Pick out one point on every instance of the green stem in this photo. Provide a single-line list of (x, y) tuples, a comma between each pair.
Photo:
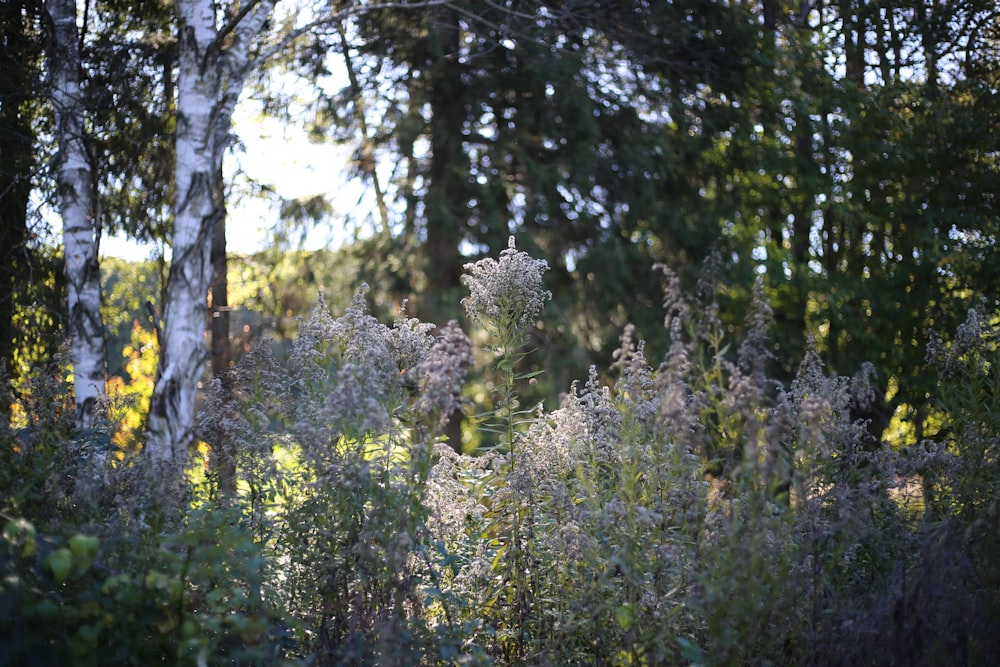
[(510, 342)]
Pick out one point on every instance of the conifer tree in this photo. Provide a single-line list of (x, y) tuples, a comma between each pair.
[(21, 47)]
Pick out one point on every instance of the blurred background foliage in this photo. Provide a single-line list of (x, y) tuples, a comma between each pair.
[(844, 153), (841, 154)]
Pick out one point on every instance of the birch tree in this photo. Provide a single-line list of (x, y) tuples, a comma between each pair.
[(76, 190), (214, 61)]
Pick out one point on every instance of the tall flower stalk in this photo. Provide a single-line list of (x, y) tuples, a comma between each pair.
[(505, 297)]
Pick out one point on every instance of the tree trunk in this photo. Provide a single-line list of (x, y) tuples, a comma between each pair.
[(223, 454), (77, 203), (212, 68), (219, 325), (854, 41), (446, 209)]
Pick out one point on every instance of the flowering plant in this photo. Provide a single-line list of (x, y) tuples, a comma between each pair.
[(506, 295)]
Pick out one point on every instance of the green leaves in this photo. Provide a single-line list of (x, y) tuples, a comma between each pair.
[(625, 616), (84, 550), (61, 562), (20, 533)]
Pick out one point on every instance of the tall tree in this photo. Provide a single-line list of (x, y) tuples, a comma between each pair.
[(865, 188), (448, 193), (213, 63), (580, 126), (95, 79), (76, 188), (218, 47), (20, 55)]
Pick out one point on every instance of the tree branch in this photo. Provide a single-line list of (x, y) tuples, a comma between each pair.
[(368, 145), (233, 23), (334, 19)]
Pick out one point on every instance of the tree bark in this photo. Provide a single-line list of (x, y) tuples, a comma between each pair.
[(223, 454), (213, 65), (219, 325), (75, 182)]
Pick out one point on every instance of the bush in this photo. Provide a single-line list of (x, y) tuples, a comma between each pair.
[(191, 598)]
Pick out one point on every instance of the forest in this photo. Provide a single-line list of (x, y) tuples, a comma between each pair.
[(664, 332)]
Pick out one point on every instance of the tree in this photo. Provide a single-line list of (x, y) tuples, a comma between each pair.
[(218, 48), (581, 127), (103, 87), (213, 63), (862, 188), (77, 196), (95, 81), (21, 47)]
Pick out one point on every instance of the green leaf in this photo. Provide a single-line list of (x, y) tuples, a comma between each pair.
[(84, 546), (59, 563), (89, 633), (500, 552), (112, 583), (625, 615), (21, 532), (691, 652), (47, 609)]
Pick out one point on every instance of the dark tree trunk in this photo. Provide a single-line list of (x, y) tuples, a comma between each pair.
[(219, 326), (224, 454), (18, 76), (445, 207)]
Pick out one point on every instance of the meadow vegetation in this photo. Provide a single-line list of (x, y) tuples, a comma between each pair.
[(689, 510)]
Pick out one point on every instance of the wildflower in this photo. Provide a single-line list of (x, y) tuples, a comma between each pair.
[(347, 373), (307, 360), (754, 352), (508, 291), (675, 305), (449, 501), (709, 322), (964, 349), (440, 374), (409, 340), (636, 385), (602, 418)]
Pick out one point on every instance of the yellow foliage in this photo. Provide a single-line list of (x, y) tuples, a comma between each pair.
[(130, 398)]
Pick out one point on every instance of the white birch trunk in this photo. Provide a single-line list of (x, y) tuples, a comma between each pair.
[(77, 205), (213, 65)]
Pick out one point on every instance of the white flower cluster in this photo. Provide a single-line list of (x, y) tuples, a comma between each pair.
[(508, 290), (962, 352), (351, 375), (441, 373), (602, 418)]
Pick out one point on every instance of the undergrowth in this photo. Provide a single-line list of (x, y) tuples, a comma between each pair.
[(689, 510)]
